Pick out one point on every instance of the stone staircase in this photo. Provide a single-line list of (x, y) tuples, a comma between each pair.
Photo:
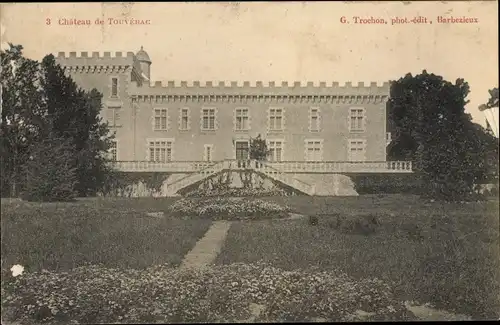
[(287, 179), (193, 178), (256, 166)]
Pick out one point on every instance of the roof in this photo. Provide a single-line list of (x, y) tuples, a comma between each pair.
[(142, 55)]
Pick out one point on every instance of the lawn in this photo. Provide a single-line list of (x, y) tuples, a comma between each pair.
[(112, 232), (445, 254)]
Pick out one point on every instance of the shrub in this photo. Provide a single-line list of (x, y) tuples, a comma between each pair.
[(359, 224), (387, 184), (123, 183), (94, 294)]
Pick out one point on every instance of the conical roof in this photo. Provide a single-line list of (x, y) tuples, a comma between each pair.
[(142, 55)]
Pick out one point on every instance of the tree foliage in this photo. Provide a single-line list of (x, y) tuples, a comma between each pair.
[(39, 102), (430, 127), (22, 115), (258, 148), (75, 115), (493, 100), (50, 171)]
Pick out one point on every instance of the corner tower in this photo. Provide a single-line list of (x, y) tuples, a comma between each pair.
[(145, 63)]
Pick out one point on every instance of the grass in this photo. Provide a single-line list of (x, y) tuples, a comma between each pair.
[(445, 254), (112, 232)]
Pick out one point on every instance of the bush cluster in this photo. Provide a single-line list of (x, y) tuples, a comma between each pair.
[(353, 224), (387, 184)]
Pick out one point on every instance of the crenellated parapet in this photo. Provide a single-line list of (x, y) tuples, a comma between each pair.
[(296, 92), (96, 62)]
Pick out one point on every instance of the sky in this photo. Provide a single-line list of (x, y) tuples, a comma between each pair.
[(284, 41)]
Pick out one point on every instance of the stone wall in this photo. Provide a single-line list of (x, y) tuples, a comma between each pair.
[(137, 101)]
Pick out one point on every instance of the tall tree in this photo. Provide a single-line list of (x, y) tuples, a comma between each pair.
[(74, 114), (40, 102), (431, 128), (22, 116)]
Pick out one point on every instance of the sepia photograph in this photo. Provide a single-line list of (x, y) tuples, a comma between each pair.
[(218, 162)]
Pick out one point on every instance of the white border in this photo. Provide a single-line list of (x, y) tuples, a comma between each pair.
[(216, 122), (110, 85), (153, 113), (249, 119), (349, 147), (282, 147), (363, 121), (318, 120), (283, 119), (321, 141), (188, 116), (148, 140), (205, 146)]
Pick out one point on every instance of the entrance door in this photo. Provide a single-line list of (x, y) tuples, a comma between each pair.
[(242, 150)]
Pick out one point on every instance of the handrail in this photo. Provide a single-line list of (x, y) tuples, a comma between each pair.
[(166, 162), (284, 161), (274, 168), (169, 165), (282, 166), (198, 172), (281, 173)]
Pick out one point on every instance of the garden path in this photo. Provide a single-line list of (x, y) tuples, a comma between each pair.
[(427, 313), (208, 247)]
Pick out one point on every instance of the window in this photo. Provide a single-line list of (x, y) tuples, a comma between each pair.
[(356, 119), (242, 122), (208, 152), (114, 87), (314, 150), (356, 150), (275, 119), (275, 150), (160, 119), (184, 123), (314, 119), (160, 151), (113, 151), (114, 116), (242, 150), (208, 119)]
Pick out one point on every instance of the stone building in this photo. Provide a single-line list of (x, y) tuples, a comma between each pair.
[(187, 128)]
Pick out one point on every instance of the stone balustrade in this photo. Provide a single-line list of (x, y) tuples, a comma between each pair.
[(282, 167), (283, 177), (343, 166), (152, 166)]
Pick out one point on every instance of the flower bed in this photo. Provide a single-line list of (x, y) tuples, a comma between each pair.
[(228, 209), (94, 294), (238, 192)]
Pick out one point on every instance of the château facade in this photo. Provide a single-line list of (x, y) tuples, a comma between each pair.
[(155, 124)]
